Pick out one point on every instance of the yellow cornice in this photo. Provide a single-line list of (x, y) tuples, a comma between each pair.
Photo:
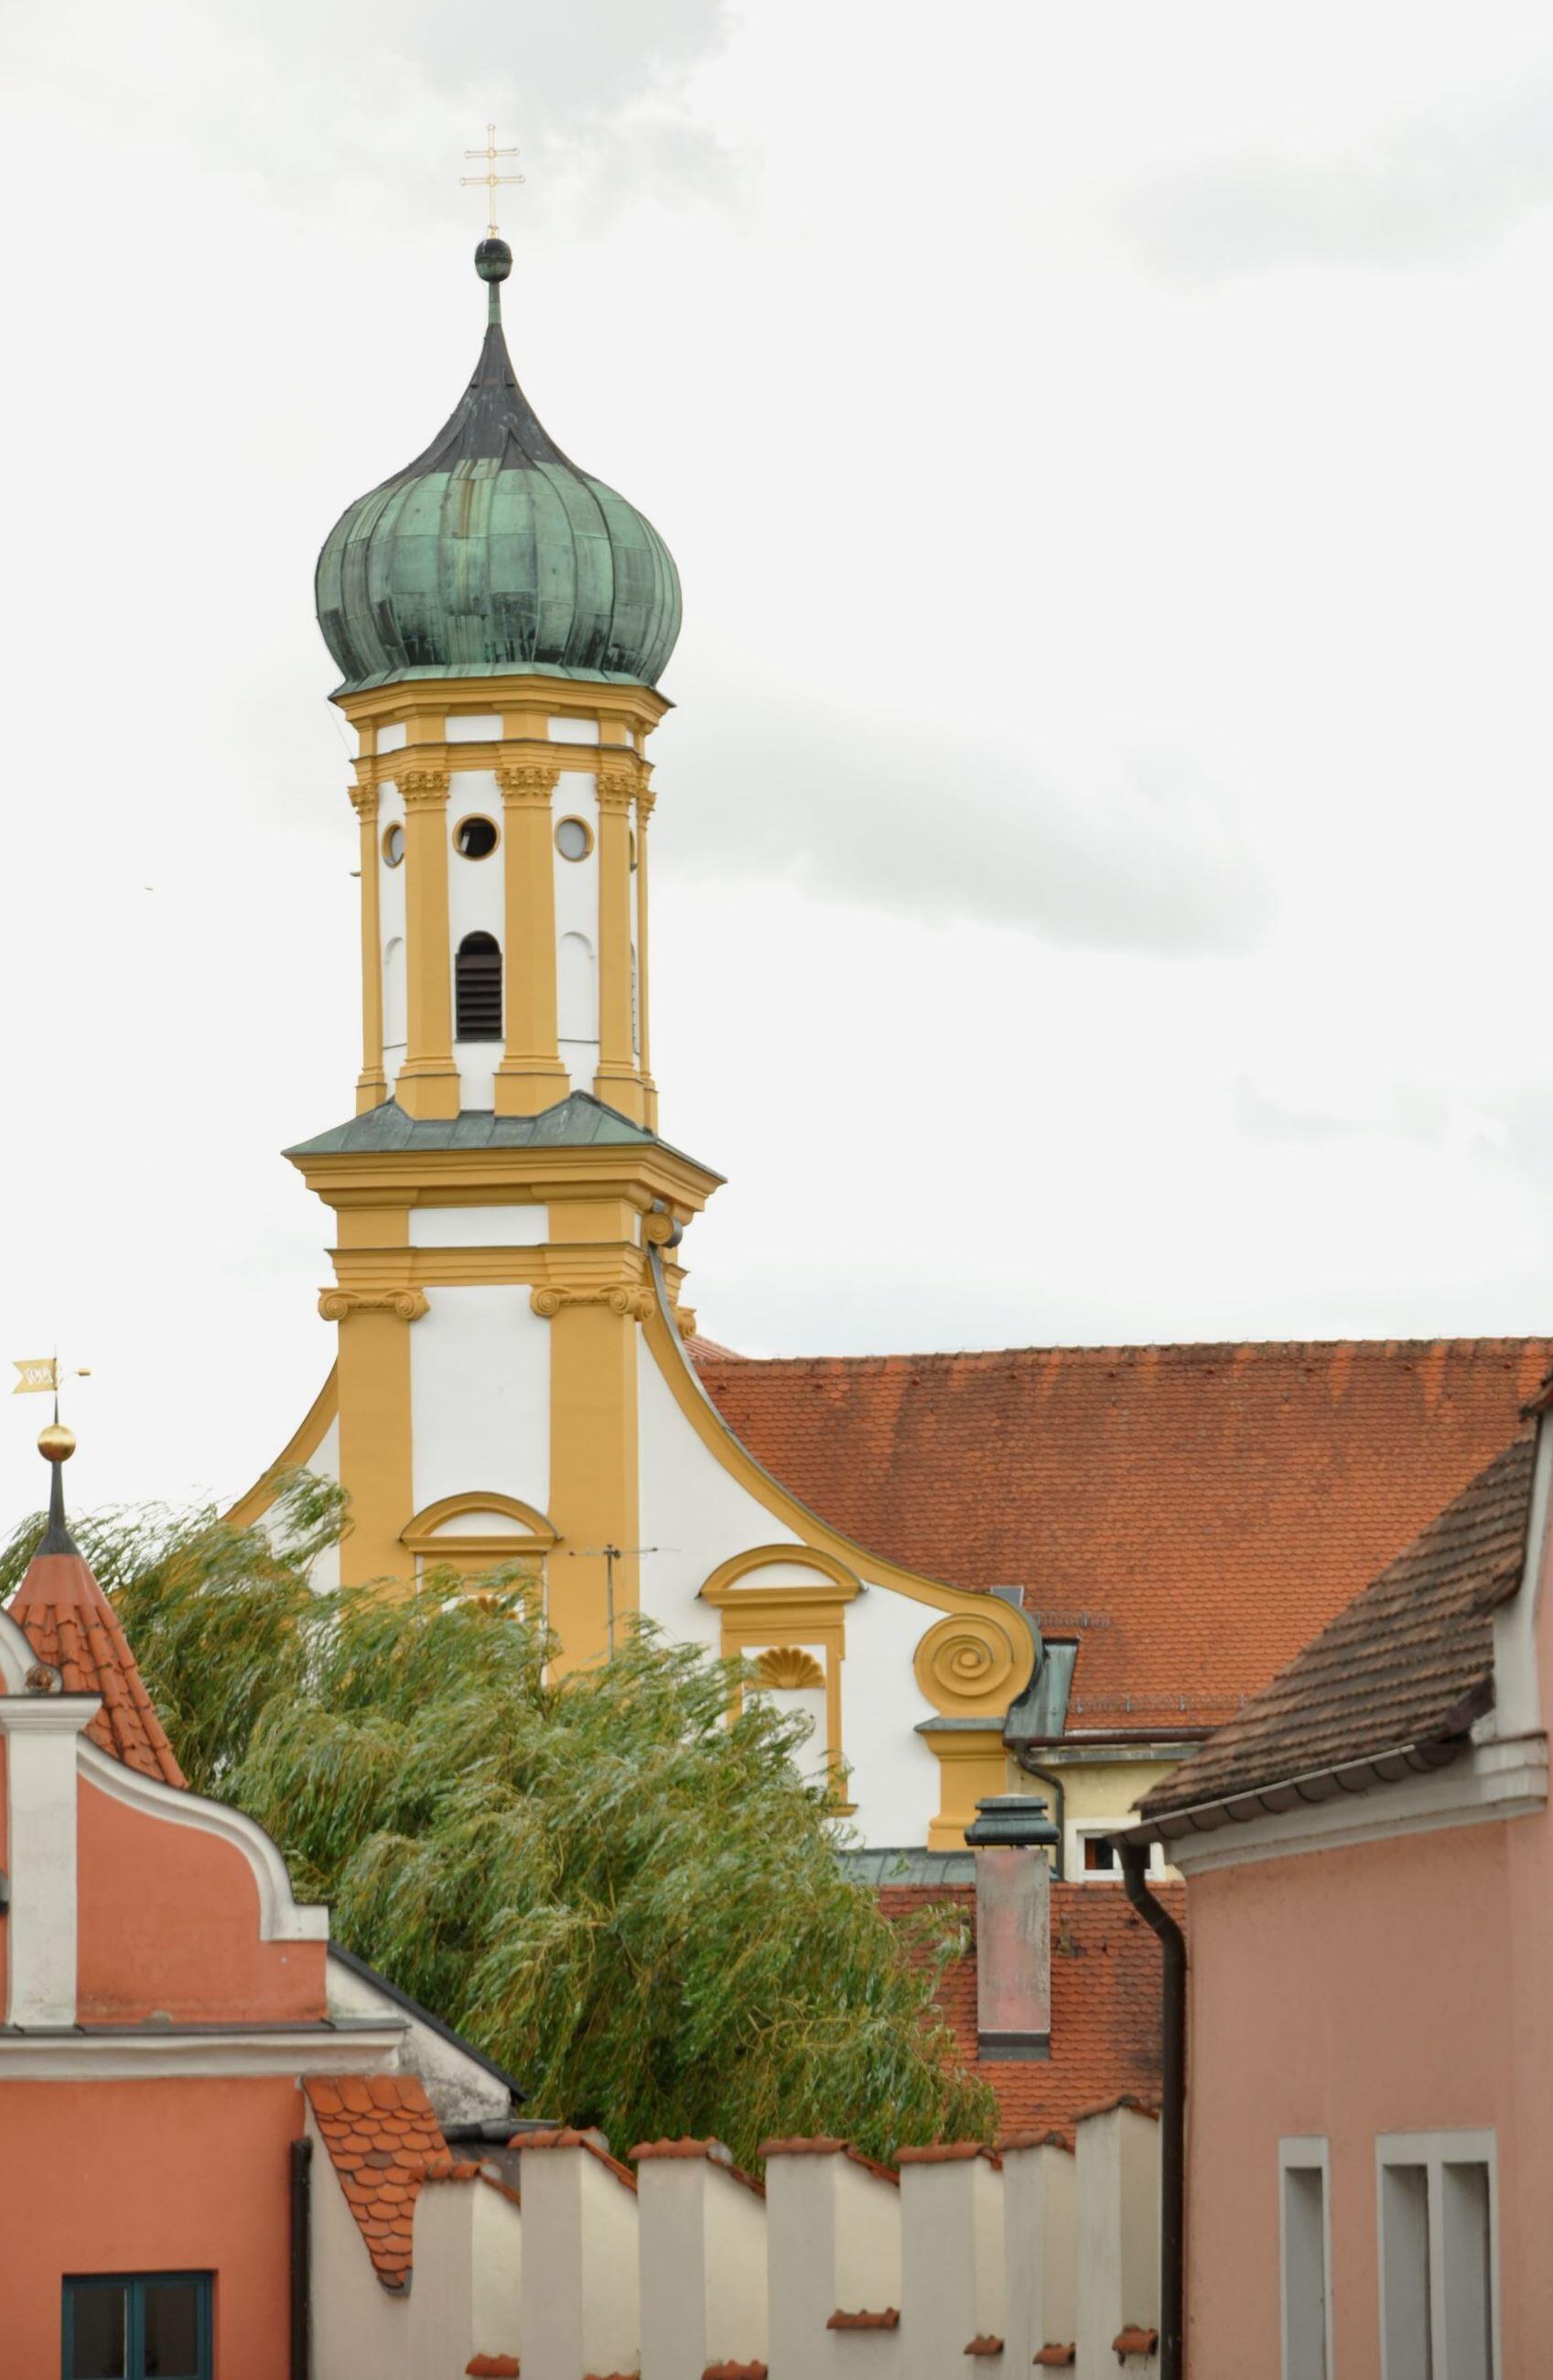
[(429, 1533), (842, 1584), (407, 699), (639, 1172)]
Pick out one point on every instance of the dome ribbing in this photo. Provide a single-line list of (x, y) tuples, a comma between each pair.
[(492, 554)]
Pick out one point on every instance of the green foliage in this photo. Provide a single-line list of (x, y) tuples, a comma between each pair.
[(627, 1898)]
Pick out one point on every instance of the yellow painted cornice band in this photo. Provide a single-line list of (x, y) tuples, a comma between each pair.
[(639, 1172), (416, 699)]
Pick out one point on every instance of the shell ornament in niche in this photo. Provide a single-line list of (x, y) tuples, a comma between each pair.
[(787, 1668)]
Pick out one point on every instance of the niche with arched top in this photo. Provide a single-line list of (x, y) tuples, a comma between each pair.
[(476, 986), (578, 989), (395, 1006)]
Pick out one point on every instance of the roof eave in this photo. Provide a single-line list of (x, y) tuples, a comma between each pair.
[(1419, 1758)]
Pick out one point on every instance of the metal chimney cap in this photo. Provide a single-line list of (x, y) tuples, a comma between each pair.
[(1013, 1822)]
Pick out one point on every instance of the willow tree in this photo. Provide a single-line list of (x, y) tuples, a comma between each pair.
[(622, 1892)]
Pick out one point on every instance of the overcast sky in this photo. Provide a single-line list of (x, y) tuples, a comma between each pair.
[(1103, 853)]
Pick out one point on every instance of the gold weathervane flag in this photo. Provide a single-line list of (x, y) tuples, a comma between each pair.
[(38, 1375)]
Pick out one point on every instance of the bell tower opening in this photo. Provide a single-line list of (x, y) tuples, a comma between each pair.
[(477, 989)]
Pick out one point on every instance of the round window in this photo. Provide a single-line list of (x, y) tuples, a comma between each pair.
[(475, 838), (393, 845), (573, 838)]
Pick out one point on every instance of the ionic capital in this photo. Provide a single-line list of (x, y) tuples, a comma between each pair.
[(424, 789), (339, 1305), (547, 1302)]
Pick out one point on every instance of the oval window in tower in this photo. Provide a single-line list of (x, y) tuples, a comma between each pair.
[(393, 845), (573, 838), (475, 838)]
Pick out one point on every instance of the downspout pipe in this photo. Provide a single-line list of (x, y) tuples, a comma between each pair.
[(1024, 1761), (302, 2261), (1172, 2108)]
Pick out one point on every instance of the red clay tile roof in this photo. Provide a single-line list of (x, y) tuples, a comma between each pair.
[(493, 2367), (820, 2145), (1192, 1513), (71, 1625), (381, 2138), (1105, 2005), (984, 2345), (1053, 2354), (1134, 2340), (887, 2318), (1409, 1661), (734, 2371)]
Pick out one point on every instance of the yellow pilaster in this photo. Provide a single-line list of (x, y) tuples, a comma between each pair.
[(530, 1076), (972, 1765), (372, 1085), (428, 1081), (617, 1081), (650, 1089), (593, 1297), (375, 1457)]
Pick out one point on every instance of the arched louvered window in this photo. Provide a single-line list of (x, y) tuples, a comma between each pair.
[(476, 978)]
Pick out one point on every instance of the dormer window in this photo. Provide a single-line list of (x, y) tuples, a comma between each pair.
[(477, 989)]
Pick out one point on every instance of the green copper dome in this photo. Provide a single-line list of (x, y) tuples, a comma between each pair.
[(492, 554)]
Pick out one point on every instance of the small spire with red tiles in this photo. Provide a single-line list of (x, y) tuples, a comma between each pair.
[(74, 1629)]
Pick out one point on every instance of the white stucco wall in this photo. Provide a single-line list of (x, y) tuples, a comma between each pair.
[(391, 926), (691, 1509), (391, 739), (572, 730), (577, 912), (479, 1227), (699, 1516), (480, 1396), (473, 727), (894, 1775)]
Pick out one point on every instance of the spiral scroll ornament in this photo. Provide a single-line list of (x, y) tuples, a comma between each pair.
[(967, 1664)]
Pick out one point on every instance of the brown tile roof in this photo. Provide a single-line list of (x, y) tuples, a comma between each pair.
[(1105, 2006), (73, 1628), (493, 2367), (887, 2318), (1409, 1661), (383, 2140), (1192, 1513)]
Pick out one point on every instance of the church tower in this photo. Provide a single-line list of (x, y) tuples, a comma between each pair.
[(511, 1383), (500, 619)]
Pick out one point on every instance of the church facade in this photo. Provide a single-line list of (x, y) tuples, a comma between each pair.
[(968, 1572)]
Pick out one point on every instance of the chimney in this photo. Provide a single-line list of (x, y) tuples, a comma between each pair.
[(1010, 1836)]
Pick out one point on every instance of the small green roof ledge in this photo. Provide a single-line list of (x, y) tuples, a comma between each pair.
[(492, 554)]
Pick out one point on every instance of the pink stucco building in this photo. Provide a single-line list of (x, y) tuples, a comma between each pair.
[(1369, 1865)]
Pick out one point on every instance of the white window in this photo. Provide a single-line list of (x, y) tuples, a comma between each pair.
[(1438, 2218), (1306, 2255), (1092, 1858)]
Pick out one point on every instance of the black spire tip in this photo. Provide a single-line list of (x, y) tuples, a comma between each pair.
[(493, 259), (56, 1538)]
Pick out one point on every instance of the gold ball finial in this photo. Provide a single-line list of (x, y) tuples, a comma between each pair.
[(56, 1443)]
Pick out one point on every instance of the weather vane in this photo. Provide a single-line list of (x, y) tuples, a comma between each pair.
[(491, 180)]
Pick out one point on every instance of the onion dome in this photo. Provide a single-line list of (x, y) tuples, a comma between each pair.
[(492, 554), (79, 1646)]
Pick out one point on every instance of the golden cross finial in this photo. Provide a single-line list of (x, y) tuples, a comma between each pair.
[(490, 181)]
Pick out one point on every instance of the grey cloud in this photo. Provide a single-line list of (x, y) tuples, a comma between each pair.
[(946, 828), (1418, 193)]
